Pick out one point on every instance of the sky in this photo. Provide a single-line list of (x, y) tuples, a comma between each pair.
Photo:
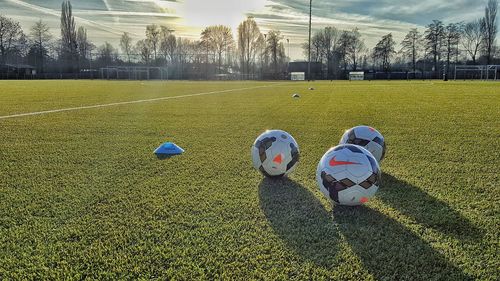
[(106, 20)]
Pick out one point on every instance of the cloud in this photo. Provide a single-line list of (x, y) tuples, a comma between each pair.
[(292, 18), (373, 18), (107, 19), (56, 13)]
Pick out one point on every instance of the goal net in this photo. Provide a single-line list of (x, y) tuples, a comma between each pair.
[(298, 76), (481, 72)]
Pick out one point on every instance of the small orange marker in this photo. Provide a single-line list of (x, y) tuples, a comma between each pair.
[(363, 200), (278, 159)]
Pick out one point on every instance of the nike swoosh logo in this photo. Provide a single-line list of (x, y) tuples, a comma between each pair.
[(334, 163)]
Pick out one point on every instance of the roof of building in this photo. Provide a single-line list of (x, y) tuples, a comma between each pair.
[(18, 65)]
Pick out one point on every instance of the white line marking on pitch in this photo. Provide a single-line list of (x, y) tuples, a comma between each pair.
[(131, 102)]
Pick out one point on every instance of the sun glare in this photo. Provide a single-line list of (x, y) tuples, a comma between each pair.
[(214, 12)]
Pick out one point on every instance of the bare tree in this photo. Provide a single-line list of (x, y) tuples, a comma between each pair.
[(145, 50), (182, 50), (197, 55), (106, 53), (490, 29), (411, 45), (452, 38), (68, 34), (364, 60), (317, 50), (250, 43), (274, 47), (84, 44), (355, 48), (126, 45), (324, 45), (331, 42), (434, 41), (168, 43), (472, 38), (343, 49), (11, 38), (153, 38), (40, 40), (185, 53), (261, 52), (384, 51), (219, 39)]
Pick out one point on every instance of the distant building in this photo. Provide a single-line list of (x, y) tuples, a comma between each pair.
[(301, 66), (17, 71)]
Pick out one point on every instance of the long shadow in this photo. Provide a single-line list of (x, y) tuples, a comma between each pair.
[(386, 248), (389, 251), (300, 220), (425, 209)]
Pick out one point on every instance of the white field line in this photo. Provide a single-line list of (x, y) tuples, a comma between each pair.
[(131, 102)]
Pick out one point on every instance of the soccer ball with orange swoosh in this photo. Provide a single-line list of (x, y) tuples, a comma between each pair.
[(348, 175)]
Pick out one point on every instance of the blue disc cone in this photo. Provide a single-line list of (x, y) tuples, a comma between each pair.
[(167, 150)]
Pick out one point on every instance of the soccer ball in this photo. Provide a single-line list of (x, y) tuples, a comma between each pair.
[(368, 138), (348, 175), (275, 153)]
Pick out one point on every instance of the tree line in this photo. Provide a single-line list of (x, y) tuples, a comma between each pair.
[(439, 44), (253, 54)]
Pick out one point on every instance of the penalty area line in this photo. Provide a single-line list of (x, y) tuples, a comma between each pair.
[(132, 102)]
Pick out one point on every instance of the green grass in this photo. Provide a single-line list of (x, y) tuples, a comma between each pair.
[(82, 195)]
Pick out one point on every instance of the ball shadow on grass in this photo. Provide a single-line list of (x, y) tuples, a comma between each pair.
[(386, 248), (425, 209), (300, 220), (389, 251)]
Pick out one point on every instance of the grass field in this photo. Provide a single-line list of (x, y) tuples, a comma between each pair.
[(83, 196)]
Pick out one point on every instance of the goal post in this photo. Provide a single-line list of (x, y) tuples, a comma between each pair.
[(298, 76), (134, 73), (481, 72), (356, 76)]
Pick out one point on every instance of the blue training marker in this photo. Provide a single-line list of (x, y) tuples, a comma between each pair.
[(167, 150)]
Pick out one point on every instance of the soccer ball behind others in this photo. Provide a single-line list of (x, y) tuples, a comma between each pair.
[(367, 137)]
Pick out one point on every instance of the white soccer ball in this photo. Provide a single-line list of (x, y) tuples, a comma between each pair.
[(275, 153), (367, 137), (348, 175)]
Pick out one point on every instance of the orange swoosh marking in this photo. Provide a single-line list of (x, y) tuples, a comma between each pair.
[(334, 163)]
